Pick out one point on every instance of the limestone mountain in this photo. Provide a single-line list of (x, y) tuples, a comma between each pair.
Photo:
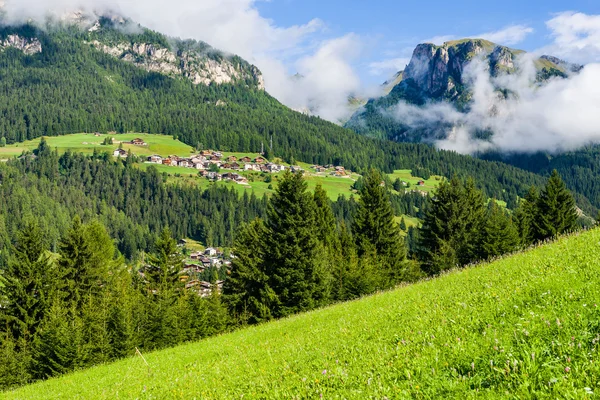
[(439, 74), (125, 40)]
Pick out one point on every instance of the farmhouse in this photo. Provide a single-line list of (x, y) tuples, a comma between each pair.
[(155, 159), (210, 252), (138, 142), (421, 183), (260, 160), (232, 159), (245, 159), (185, 163), (120, 153)]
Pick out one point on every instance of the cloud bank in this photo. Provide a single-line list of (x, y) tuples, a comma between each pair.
[(236, 26), (560, 115), (557, 116)]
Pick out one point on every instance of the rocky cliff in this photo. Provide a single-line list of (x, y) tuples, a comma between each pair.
[(28, 46), (151, 51), (438, 74), (197, 67)]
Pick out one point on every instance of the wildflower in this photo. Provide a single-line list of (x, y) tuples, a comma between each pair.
[(473, 366), (557, 322), (568, 359), (533, 356), (567, 369), (324, 372)]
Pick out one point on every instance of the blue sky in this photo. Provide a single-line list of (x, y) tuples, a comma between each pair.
[(392, 28)]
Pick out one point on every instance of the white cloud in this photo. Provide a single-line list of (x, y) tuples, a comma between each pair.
[(576, 37), (508, 36), (439, 40), (561, 115), (236, 26), (386, 67)]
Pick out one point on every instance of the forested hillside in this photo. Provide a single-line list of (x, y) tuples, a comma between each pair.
[(71, 87)]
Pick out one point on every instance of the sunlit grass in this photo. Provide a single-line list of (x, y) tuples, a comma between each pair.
[(526, 326)]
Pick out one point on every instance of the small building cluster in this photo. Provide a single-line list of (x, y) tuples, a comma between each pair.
[(205, 159), (333, 170), (198, 263)]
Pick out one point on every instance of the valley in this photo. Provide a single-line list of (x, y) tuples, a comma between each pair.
[(521, 326), (202, 239)]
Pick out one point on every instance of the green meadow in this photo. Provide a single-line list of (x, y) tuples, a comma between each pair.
[(164, 145), (86, 143), (406, 175), (525, 326)]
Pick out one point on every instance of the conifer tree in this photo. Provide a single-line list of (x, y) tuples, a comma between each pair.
[(451, 233), (403, 224), (76, 267), (294, 254), (556, 208), (375, 230), (165, 263), (325, 220), (247, 291), (500, 236), (525, 215), (27, 284)]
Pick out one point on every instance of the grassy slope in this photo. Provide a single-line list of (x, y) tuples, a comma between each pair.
[(165, 145), (86, 143), (522, 327)]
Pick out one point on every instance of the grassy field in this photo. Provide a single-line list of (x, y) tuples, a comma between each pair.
[(406, 175), (86, 143), (333, 185), (527, 326), (164, 145)]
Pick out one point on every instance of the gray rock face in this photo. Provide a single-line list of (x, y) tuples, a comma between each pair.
[(198, 68), (437, 69), (27, 46)]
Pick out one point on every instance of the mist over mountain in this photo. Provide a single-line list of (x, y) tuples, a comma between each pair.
[(473, 95)]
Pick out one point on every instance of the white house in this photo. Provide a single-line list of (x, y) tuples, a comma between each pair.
[(155, 159), (211, 252), (120, 153)]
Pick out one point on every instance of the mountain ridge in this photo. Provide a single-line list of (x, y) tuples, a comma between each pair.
[(438, 74)]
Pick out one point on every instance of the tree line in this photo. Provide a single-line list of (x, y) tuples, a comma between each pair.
[(76, 302), (83, 305)]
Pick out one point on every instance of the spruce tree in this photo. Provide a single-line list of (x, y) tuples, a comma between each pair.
[(294, 262), (76, 264), (27, 284), (500, 236), (375, 230), (451, 233), (525, 215), (557, 212), (247, 291), (165, 263), (325, 221)]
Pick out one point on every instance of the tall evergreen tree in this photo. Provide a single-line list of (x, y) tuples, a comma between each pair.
[(557, 212), (76, 267), (525, 215), (325, 221), (294, 254), (500, 236), (247, 291), (375, 230), (165, 263), (26, 286), (451, 233)]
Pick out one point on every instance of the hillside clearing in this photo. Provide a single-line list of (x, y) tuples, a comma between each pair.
[(86, 143), (522, 327)]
